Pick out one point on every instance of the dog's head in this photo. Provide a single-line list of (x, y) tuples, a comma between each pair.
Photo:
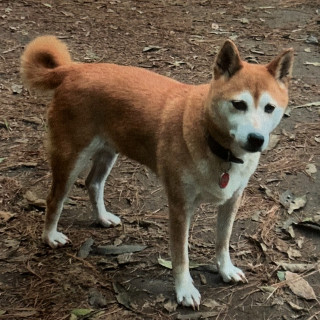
[(247, 101)]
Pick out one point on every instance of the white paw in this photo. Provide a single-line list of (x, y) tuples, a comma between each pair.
[(188, 295), (107, 219), (231, 273), (55, 239)]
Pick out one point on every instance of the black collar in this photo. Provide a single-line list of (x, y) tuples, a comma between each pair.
[(221, 152)]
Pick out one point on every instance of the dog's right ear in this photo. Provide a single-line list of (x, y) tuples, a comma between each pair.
[(227, 61)]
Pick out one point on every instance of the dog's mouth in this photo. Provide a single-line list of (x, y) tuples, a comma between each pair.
[(250, 148)]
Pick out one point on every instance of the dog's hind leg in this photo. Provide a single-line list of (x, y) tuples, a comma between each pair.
[(103, 162), (66, 166)]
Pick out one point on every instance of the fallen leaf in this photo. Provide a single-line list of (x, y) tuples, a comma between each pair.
[(16, 88), (198, 315), (316, 64), (165, 263), (274, 140), (110, 249), (286, 198), (297, 204), (281, 275), (306, 105), (311, 168), (214, 26), (300, 286), (203, 278), (34, 200), (97, 299), (257, 51), (296, 267), (256, 216), (170, 306), (85, 248), (122, 295), (294, 306), (124, 258), (81, 312), (211, 303), (281, 245), (307, 50), (268, 289), (151, 48), (6, 216), (312, 40), (293, 253), (244, 20)]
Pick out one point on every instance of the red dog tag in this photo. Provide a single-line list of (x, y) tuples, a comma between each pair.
[(224, 180)]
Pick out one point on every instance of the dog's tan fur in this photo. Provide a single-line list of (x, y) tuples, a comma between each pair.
[(100, 110)]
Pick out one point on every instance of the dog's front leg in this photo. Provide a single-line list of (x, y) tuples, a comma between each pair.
[(226, 216), (180, 217)]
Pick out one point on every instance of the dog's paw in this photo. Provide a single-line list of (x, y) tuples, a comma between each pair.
[(188, 295), (107, 219), (55, 239), (232, 273)]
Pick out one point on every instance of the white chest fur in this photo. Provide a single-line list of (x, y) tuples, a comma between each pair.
[(202, 184)]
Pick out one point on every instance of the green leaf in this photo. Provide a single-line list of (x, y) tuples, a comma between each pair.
[(81, 312), (281, 275)]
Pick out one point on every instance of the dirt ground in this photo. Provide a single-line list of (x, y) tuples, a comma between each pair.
[(178, 39)]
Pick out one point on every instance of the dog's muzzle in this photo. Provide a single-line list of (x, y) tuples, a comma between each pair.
[(254, 142)]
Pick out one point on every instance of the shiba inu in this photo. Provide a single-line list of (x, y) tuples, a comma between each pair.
[(203, 141)]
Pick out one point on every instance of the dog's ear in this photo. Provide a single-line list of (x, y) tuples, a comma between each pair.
[(281, 66), (227, 61)]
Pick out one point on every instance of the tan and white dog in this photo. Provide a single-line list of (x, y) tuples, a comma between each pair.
[(203, 141)]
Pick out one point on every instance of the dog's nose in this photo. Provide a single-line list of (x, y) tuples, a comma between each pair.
[(255, 141)]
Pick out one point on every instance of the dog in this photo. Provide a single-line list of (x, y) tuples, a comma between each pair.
[(203, 141)]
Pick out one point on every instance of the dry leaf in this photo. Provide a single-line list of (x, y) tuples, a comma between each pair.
[(295, 267), (300, 286), (316, 64), (109, 249), (211, 303), (311, 168), (294, 306), (274, 140), (214, 26), (244, 20), (293, 253), (151, 48), (281, 245), (124, 258), (170, 306), (297, 203), (311, 104), (85, 248), (6, 216)]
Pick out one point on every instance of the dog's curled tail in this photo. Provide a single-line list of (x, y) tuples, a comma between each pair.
[(40, 63)]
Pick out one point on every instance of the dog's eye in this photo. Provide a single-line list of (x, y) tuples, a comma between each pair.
[(269, 108), (239, 105)]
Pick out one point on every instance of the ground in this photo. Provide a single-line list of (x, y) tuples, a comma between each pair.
[(178, 39)]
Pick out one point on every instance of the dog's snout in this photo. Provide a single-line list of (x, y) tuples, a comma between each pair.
[(255, 142)]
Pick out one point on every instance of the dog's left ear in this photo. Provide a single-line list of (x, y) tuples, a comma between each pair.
[(227, 61), (281, 66)]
